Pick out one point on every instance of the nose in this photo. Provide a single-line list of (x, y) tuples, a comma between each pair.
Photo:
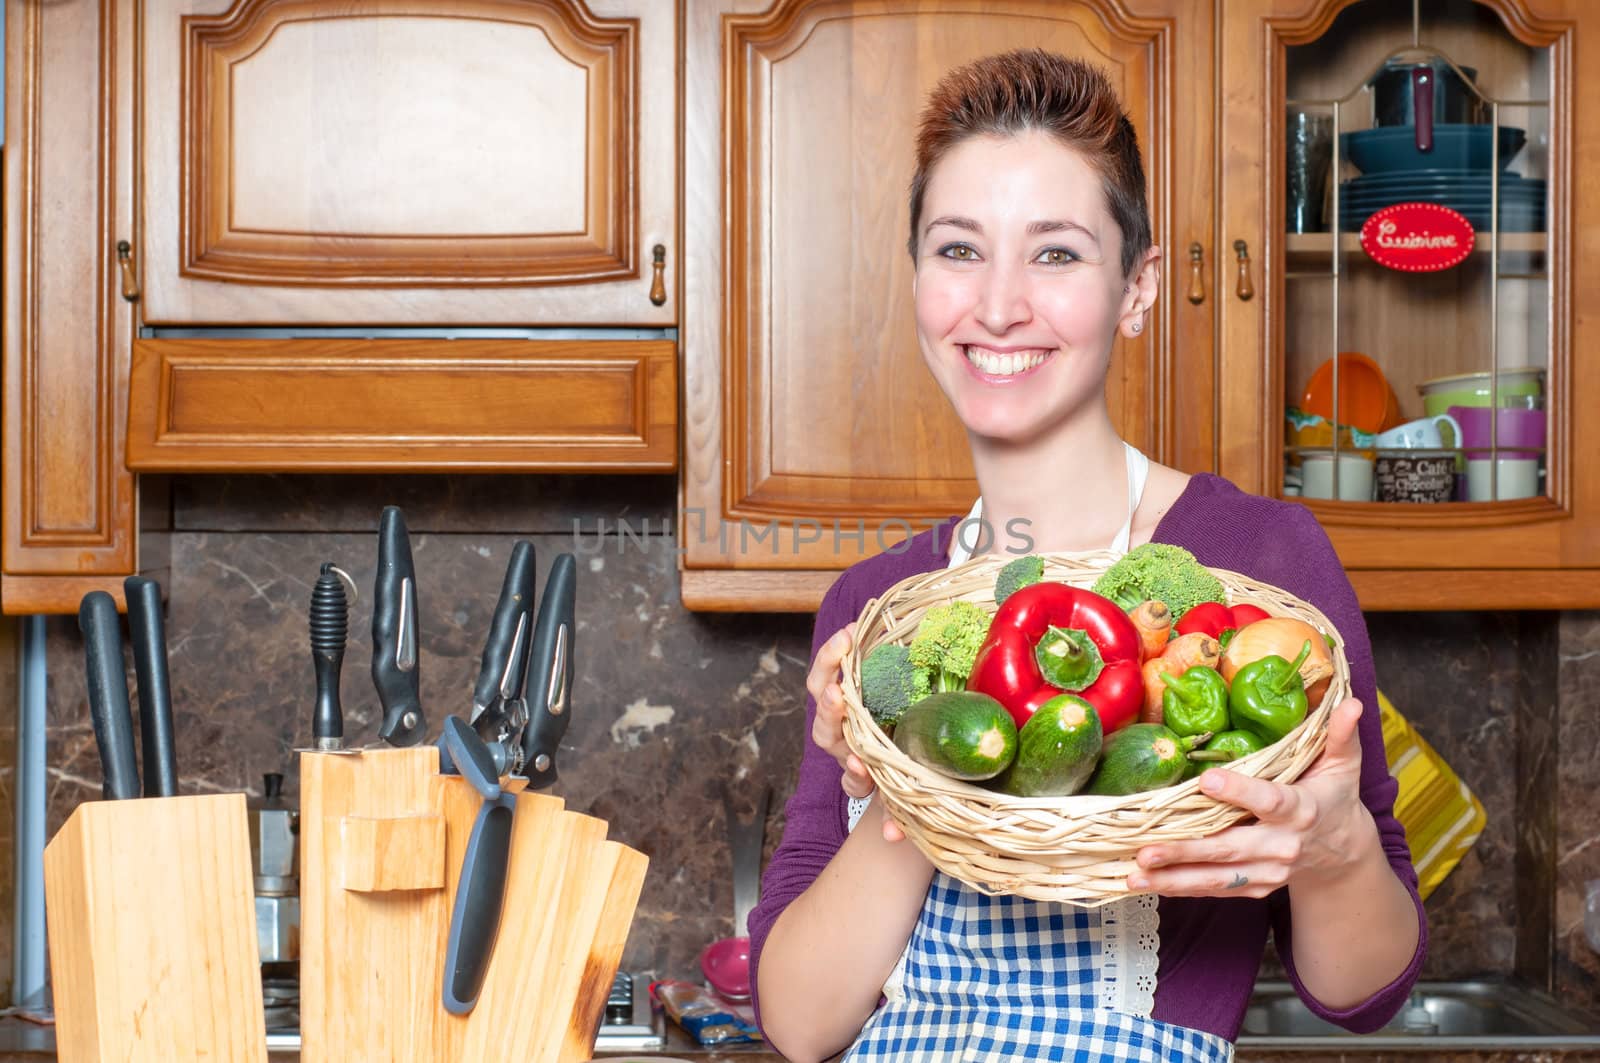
[(1003, 300)]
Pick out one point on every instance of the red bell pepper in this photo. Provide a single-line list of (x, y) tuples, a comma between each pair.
[(1214, 618), (1085, 640)]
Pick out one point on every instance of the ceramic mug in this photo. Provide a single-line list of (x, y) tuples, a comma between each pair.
[(1421, 434), (1355, 477), (1416, 476), (1510, 429), (1517, 475)]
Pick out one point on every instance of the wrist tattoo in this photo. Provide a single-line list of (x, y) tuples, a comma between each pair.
[(1238, 880)]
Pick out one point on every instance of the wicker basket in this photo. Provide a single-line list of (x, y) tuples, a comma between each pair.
[(1080, 848)]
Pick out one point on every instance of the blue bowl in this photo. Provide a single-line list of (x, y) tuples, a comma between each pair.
[(1388, 149)]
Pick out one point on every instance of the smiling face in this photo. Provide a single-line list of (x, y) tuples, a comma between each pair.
[(1019, 286)]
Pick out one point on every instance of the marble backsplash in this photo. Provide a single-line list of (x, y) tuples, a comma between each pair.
[(671, 706)]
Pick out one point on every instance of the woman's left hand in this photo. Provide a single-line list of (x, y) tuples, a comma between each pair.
[(1314, 828)]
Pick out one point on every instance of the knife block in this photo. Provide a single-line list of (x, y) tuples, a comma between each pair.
[(382, 839), (150, 907)]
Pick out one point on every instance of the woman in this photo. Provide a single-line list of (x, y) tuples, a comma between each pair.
[(1033, 251)]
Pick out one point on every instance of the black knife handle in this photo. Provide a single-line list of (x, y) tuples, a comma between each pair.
[(330, 630), (108, 694), (505, 659), (480, 895), (394, 634), (147, 634), (550, 672)]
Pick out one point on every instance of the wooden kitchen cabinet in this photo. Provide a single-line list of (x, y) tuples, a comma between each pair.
[(69, 502), (806, 403), (369, 184), (807, 407), (1520, 298), (408, 162)]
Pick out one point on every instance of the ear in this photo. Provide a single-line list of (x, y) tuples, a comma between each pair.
[(1141, 295)]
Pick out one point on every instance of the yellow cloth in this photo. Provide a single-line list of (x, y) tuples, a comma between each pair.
[(1441, 816)]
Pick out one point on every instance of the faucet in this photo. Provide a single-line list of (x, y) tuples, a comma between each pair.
[(1416, 1018)]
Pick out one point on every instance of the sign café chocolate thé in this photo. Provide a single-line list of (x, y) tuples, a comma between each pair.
[(1417, 237)]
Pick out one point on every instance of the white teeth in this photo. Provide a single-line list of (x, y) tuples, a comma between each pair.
[(1004, 364)]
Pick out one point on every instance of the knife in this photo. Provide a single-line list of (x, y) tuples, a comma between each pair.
[(499, 710), (394, 634), (108, 694), (148, 635), (550, 673), (330, 628)]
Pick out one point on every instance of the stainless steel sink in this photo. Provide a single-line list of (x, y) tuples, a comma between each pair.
[(1438, 1015)]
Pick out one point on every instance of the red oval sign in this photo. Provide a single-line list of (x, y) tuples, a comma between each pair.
[(1417, 237)]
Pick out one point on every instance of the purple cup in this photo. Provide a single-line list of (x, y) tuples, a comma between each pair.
[(1518, 429)]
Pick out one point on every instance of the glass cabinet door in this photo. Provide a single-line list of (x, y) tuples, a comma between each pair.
[(1416, 190)]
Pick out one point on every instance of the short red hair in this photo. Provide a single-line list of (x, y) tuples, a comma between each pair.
[(1073, 101)]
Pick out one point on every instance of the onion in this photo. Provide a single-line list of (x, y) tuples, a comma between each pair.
[(1284, 636)]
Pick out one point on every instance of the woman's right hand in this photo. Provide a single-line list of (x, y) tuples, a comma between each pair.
[(827, 729)]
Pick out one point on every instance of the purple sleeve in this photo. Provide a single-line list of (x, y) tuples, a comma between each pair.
[(814, 827), (1308, 567)]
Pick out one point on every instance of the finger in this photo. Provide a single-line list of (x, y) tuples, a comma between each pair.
[(1211, 880), (836, 647), (825, 667), (892, 831), (833, 701), (856, 781), (1270, 802), (1252, 843), (830, 712), (1343, 739)]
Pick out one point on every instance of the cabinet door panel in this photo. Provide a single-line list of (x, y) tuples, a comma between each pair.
[(807, 397), (405, 161), (69, 502)]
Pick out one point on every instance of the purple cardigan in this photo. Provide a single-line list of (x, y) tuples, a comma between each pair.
[(1211, 948)]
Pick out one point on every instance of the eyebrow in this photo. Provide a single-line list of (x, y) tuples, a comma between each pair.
[(1035, 228)]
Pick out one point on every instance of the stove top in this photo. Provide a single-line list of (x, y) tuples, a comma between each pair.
[(629, 1023)]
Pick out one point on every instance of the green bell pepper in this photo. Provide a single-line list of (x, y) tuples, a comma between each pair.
[(1268, 698), (1229, 745), (1195, 702), (1238, 744)]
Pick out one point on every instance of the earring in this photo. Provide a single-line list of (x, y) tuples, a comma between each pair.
[(1138, 327)]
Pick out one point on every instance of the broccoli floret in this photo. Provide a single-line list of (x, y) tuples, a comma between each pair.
[(890, 683), (947, 641), (1017, 574), (1164, 572)]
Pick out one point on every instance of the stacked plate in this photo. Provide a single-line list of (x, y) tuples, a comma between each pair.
[(1468, 191), (1454, 173)]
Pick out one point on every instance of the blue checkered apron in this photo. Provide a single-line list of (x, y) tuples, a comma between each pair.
[(1011, 978)]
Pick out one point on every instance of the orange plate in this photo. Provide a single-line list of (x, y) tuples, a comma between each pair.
[(1366, 400)]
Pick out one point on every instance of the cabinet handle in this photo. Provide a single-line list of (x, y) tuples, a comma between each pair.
[(1243, 290), (658, 280), (1197, 279), (130, 287)]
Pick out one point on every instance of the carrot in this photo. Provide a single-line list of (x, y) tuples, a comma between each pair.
[(1150, 711), (1153, 621), (1186, 651)]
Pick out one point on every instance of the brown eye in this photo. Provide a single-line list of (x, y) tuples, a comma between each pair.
[(1058, 256), (959, 252)]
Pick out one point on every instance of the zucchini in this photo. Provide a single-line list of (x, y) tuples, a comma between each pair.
[(1056, 749), (959, 733)]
